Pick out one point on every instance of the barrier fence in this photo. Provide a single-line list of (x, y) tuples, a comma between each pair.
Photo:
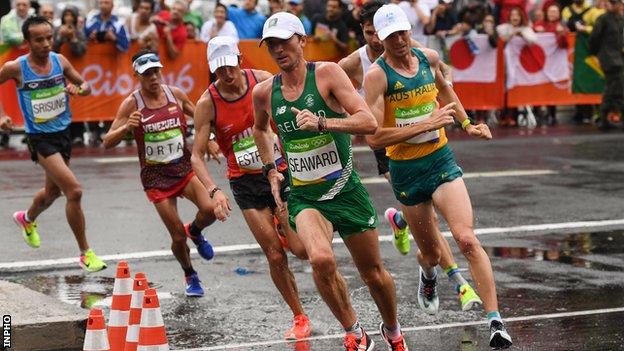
[(479, 79)]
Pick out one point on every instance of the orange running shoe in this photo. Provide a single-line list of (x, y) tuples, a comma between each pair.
[(280, 233), (301, 328)]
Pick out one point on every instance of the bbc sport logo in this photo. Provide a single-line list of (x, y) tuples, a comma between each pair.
[(6, 331)]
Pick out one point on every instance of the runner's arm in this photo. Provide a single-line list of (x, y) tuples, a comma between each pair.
[(359, 118), (444, 68), (75, 78), (262, 126), (10, 70), (261, 76), (375, 87), (120, 126), (187, 105), (204, 115)]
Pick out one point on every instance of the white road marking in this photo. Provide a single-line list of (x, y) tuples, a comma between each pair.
[(508, 173), (425, 327), (68, 261)]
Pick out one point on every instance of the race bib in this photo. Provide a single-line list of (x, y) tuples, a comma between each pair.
[(164, 147), (49, 103), (247, 155), (313, 160), (413, 115)]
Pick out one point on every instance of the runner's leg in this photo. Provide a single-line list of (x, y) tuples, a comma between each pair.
[(316, 233), (197, 193), (364, 248), (58, 171), (294, 242), (44, 198), (260, 223), (423, 225), (453, 202), (168, 212)]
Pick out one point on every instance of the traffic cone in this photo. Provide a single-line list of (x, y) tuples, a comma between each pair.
[(120, 308), (138, 290), (152, 334), (95, 337)]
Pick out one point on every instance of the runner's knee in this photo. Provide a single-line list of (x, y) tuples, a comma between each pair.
[(373, 276), (323, 263), (74, 193), (276, 258), (468, 243)]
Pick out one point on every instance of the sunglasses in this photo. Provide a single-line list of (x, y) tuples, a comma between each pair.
[(146, 58)]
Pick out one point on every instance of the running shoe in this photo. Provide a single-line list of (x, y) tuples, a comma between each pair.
[(468, 297), (193, 286), (203, 246), (499, 338), (29, 229), (401, 236), (280, 233), (91, 263), (396, 345), (301, 328), (428, 294), (353, 343)]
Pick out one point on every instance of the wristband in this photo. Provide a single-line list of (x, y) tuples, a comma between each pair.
[(322, 121), (212, 136), (465, 123), (267, 168), (449, 83), (214, 191)]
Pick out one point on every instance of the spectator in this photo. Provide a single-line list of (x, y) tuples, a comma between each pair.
[(174, 30), (47, 11), (103, 26), (296, 8), (504, 7), (191, 31), (443, 20), (351, 18), (588, 19), (193, 16), (11, 23), (275, 6), (140, 28), (331, 27), (607, 43), (552, 24), (219, 25), (538, 16), (517, 25), (419, 15), (313, 7), (247, 20)]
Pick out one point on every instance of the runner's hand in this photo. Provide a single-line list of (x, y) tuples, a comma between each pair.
[(479, 131), (276, 179), (443, 117), (72, 89), (6, 123), (214, 151), (222, 206), (133, 121), (306, 120)]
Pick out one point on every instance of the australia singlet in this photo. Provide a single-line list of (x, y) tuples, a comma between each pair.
[(42, 98), (320, 164), (234, 120), (163, 154), (410, 100)]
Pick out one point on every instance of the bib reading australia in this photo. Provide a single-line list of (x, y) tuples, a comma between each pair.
[(164, 147), (48, 103), (313, 159)]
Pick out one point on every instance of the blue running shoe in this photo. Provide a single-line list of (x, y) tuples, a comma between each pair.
[(193, 286), (203, 246)]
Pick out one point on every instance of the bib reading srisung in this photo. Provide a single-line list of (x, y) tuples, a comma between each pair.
[(48, 104), (164, 147), (415, 114), (313, 160), (247, 155)]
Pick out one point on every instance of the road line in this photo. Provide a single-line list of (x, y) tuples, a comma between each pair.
[(421, 328), (508, 173), (547, 227)]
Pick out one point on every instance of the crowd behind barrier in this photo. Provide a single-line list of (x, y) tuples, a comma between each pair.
[(479, 80)]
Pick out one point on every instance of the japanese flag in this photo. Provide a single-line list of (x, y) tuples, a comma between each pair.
[(470, 67), (542, 62)]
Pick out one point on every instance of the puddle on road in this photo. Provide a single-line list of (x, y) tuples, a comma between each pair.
[(568, 249)]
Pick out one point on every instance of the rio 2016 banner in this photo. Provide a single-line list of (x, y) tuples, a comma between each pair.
[(110, 74)]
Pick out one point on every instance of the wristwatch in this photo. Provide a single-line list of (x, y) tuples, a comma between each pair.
[(267, 168)]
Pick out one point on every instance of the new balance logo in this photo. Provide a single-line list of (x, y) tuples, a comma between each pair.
[(398, 85), (280, 110)]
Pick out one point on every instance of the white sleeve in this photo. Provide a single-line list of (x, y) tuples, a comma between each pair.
[(205, 30)]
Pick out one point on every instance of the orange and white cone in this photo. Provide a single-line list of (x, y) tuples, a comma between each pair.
[(120, 308), (136, 306), (95, 338), (152, 335)]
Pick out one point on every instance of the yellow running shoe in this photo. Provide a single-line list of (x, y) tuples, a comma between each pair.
[(91, 263), (401, 236), (468, 297), (29, 229)]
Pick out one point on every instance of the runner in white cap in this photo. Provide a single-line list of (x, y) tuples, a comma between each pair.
[(227, 107), (402, 88), (315, 107)]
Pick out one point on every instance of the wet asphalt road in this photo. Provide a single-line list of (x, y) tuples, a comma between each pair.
[(541, 272)]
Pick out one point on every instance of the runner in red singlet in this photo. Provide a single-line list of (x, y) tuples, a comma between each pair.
[(227, 105), (155, 114)]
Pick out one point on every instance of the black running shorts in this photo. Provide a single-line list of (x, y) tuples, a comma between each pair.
[(382, 161), (47, 144), (254, 191)]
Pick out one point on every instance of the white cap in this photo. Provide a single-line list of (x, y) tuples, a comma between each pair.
[(222, 51), (389, 19), (282, 25), (145, 62)]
